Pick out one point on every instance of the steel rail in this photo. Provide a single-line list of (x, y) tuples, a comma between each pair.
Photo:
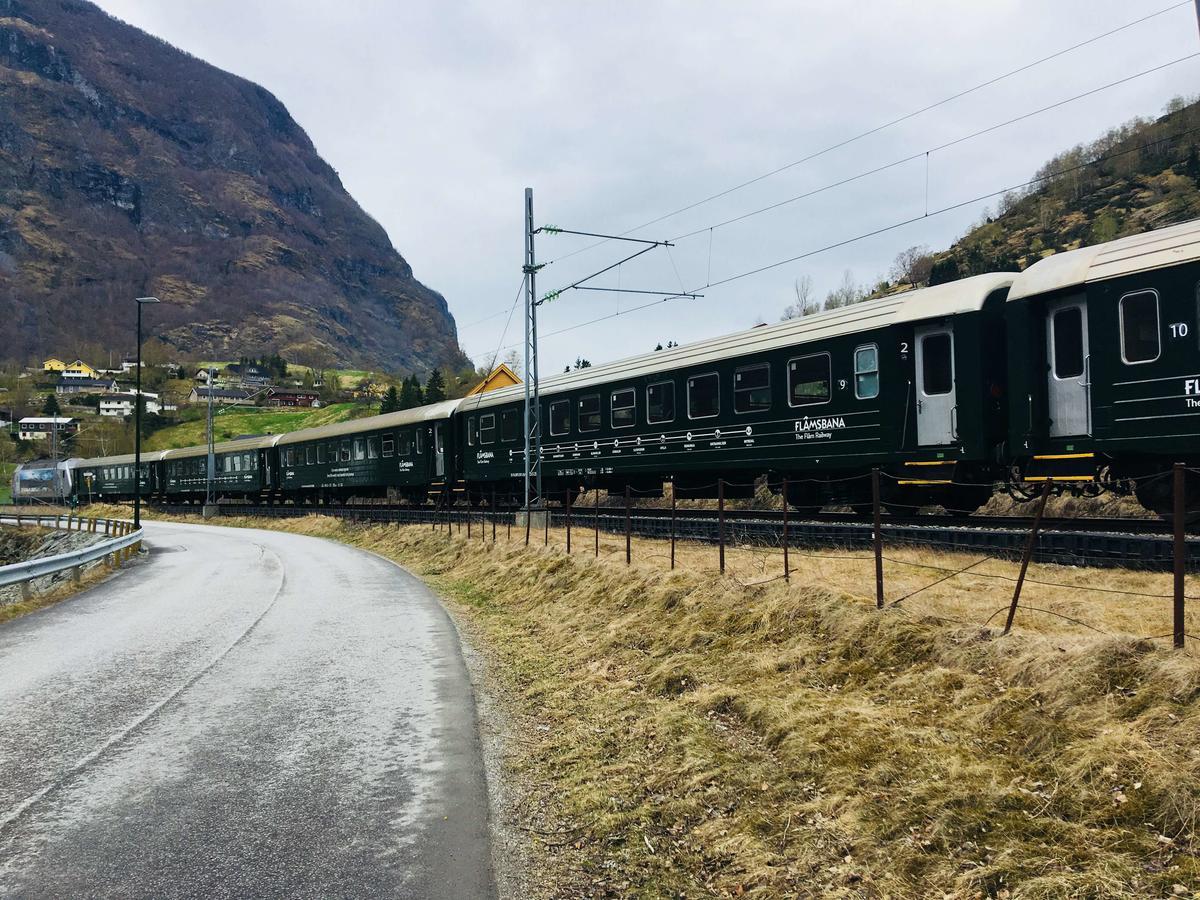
[(16, 573), (1115, 543)]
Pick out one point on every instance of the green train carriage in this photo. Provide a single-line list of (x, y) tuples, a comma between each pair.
[(244, 469), (1104, 350), (110, 478), (911, 383), (408, 455)]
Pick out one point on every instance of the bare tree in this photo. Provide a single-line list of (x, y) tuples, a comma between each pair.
[(805, 304), (912, 266), (845, 294)]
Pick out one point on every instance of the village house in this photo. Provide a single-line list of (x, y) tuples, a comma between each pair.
[(283, 396), (39, 428), (222, 396)]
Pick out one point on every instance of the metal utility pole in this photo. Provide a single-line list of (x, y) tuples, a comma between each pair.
[(533, 416), (211, 465), (1198, 13), (137, 419)]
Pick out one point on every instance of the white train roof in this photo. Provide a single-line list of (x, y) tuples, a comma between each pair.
[(258, 442), (1169, 246), (965, 295), (123, 459), (414, 416)]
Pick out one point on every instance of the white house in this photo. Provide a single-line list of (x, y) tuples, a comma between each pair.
[(121, 405), (38, 428)]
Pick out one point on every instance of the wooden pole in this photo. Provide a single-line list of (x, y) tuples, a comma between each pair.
[(568, 505), (787, 569), (1037, 523), (493, 511), (1180, 550), (596, 522), (721, 520), (546, 525), (878, 532), (672, 524), (628, 551)]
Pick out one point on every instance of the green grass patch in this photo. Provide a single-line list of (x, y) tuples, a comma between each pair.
[(6, 473), (253, 420)]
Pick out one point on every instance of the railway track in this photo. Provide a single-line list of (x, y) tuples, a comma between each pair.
[(1138, 543)]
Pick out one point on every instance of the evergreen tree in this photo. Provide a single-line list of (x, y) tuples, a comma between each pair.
[(435, 387), (51, 407), (410, 393), (391, 401)]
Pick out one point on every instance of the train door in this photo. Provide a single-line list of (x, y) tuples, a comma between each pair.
[(937, 408), (1067, 377), (439, 449)]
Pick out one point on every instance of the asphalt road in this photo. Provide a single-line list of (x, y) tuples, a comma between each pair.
[(242, 714)]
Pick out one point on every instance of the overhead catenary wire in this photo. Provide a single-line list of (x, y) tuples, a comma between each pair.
[(923, 154), (866, 235), (944, 146), (889, 124)]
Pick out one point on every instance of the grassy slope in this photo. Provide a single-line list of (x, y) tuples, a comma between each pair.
[(253, 420), (6, 470), (697, 736)]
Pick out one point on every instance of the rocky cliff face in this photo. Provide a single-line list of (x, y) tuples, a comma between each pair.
[(128, 167)]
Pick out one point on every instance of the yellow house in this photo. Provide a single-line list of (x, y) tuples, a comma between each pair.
[(500, 377), (53, 365), (79, 369)]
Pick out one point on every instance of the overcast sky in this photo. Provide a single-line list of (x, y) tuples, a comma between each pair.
[(438, 114)]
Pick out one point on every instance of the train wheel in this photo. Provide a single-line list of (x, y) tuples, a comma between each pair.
[(1157, 494)]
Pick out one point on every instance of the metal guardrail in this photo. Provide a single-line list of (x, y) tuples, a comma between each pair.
[(124, 541)]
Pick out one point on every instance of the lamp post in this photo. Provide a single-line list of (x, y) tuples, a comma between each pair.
[(137, 419)]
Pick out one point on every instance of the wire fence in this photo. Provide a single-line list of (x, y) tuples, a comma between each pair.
[(780, 549)]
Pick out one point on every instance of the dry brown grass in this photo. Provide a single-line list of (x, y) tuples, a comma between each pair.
[(702, 736)]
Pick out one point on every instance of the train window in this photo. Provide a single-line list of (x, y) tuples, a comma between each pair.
[(487, 429), (345, 451), (660, 402), (937, 368), (589, 413), (704, 396), (320, 454), (251, 462), (510, 425), (471, 431), (624, 411), (1139, 327), (373, 447), (1067, 328), (808, 379), (752, 388), (360, 449), (389, 446), (237, 463), (560, 417), (404, 443), (310, 454), (420, 441), (866, 372)]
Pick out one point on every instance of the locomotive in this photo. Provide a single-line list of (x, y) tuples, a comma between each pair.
[(1083, 369)]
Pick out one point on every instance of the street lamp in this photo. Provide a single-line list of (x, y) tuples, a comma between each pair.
[(137, 419)]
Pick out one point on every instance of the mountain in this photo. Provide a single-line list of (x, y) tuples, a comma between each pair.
[(1139, 176), (128, 167)]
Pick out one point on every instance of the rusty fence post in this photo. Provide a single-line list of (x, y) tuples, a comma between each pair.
[(628, 552), (568, 505), (546, 526), (1033, 532), (721, 520), (493, 512), (672, 524), (1180, 551), (528, 522), (596, 522), (878, 535), (787, 569)]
